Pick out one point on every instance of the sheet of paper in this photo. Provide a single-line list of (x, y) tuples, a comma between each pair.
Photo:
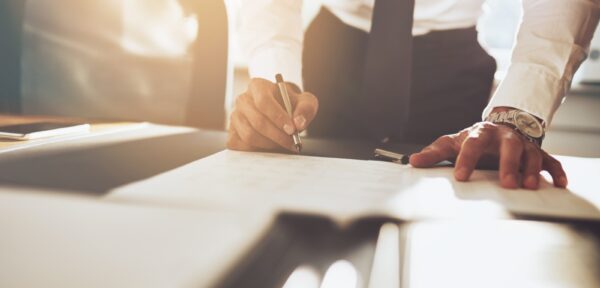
[(53, 240), (433, 193), (287, 182), (345, 189)]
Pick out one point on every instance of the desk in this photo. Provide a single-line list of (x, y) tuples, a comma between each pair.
[(94, 165), (96, 128), (100, 161)]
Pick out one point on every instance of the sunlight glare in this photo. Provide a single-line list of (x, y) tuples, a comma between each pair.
[(157, 28)]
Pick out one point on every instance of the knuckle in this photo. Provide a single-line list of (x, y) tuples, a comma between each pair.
[(512, 139), (465, 131), (280, 118), (247, 135), (263, 102), (245, 98), (243, 131), (473, 141), (260, 124), (446, 139), (240, 100), (260, 101), (251, 137), (480, 128), (504, 128), (255, 83), (487, 126), (443, 144), (478, 134)]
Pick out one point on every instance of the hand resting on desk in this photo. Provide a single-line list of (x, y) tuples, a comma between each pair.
[(492, 144), (260, 123)]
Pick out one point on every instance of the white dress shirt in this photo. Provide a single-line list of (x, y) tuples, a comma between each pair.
[(553, 40)]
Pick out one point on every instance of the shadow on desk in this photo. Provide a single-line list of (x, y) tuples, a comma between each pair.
[(428, 254), (297, 241), (95, 170)]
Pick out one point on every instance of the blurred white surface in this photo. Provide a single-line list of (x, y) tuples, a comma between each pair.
[(524, 253), (52, 240)]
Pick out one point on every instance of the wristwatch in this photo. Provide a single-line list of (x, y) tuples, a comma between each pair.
[(524, 123)]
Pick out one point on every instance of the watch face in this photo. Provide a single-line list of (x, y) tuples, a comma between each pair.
[(529, 125)]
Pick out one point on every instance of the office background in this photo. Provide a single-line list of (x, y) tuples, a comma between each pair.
[(150, 48)]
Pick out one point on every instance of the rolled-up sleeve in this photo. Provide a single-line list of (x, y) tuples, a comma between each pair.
[(552, 42), (271, 37)]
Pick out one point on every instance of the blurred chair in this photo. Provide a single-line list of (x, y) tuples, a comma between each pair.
[(11, 22), (212, 70)]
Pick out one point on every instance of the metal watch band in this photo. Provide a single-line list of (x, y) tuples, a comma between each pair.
[(508, 118)]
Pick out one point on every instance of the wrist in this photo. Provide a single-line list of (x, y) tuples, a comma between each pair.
[(505, 109), (526, 124)]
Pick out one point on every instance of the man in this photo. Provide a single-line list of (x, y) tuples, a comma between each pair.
[(371, 77)]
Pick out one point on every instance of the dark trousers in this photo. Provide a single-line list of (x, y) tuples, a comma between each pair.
[(452, 78)]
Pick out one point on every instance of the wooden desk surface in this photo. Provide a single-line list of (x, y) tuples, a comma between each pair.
[(96, 127)]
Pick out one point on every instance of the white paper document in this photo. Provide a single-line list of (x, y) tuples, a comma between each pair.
[(348, 189)]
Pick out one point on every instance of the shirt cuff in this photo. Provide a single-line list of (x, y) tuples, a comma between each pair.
[(269, 61), (530, 88)]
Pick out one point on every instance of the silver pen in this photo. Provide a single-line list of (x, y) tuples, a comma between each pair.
[(288, 107), (391, 156)]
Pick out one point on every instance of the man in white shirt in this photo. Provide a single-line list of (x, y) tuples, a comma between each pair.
[(451, 79)]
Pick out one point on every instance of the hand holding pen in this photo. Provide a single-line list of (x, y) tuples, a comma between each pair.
[(261, 122)]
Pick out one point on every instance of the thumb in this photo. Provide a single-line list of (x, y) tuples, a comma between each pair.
[(305, 111)]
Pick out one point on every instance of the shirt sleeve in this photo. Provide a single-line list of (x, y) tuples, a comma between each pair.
[(552, 42), (271, 37)]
